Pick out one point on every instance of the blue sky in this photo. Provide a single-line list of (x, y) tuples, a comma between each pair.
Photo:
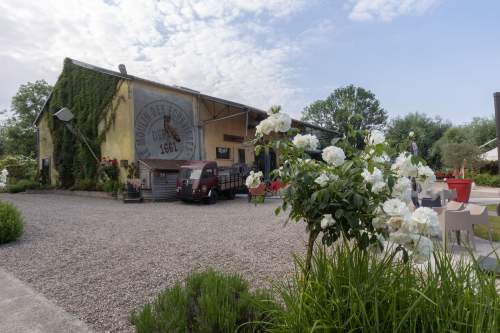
[(440, 57)]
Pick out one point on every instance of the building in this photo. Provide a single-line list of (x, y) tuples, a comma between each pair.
[(133, 120)]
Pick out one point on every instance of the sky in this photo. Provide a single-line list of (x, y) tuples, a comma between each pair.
[(439, 57)]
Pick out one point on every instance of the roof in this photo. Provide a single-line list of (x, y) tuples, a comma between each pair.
[(156, 164), (178, 89)]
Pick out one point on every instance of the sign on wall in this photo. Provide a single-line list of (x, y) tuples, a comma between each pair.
[(163, 125)]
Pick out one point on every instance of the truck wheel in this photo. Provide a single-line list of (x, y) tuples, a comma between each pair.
[(213, 196)]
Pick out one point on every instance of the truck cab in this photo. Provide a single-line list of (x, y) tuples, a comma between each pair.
[(205, 181)]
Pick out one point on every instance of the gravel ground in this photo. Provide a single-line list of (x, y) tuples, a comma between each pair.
[(100, 259)]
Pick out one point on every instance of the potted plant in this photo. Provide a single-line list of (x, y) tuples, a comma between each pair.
[(457, 156)]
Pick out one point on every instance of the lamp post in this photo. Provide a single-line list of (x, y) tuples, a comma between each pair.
[(496, 100), (65, 116)]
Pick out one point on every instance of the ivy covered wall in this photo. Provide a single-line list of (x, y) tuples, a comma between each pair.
[(88, 94)]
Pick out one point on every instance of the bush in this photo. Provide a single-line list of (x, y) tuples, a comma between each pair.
[(11, 223), (490, 167), (19, 167), (206, 302), (84, 185), (350, 290), (486, 179), (22, 186), (111, 186)]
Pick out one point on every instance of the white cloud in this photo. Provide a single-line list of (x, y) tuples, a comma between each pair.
[(220, 47), (386, 10)]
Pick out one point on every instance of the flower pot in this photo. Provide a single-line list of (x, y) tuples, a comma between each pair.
[(463, 188)]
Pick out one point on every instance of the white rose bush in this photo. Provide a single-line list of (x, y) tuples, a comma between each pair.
[(353, 192)]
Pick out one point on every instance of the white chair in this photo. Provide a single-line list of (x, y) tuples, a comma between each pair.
[(479, 216), (457, 220)]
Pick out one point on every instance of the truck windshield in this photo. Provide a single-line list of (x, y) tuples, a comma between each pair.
[(190, 173)]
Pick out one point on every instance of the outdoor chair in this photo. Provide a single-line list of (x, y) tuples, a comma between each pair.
[(457, 220), (479, 216)]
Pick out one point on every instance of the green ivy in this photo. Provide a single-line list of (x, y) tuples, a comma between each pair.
[(88, 94)]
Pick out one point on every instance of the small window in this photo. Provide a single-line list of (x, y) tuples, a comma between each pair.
[(208, 173), (223, 153)]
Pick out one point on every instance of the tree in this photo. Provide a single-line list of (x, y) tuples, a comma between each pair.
[(347, 106), (427, 131), (19, 135), (454, 155)]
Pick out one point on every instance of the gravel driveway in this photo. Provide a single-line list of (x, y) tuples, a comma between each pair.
[(100, 259)]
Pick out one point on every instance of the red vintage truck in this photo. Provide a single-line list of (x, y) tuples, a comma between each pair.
[(205, 181)]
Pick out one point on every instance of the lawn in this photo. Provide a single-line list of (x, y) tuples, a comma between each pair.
[(482, 231)]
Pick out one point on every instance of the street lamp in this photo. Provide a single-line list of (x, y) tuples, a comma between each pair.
[(65, 116)]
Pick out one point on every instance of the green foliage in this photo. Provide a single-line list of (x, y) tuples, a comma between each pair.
[(11, 223), (19, 135), (483, 231), (19, 167), (454, 155), (348, 106), (349, 290), (427, 131), (22, 186), (111, 186), (85, 184), (207, 302), (88, 94), (486, 179)]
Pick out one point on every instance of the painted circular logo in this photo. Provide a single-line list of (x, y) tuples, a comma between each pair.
[(163, 131)]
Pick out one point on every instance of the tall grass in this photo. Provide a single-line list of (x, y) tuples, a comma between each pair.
[(349, 290)]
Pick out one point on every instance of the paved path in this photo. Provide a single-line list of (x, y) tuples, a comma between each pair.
[(22, 310)]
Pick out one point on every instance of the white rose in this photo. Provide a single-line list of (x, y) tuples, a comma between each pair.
[(333, 155), (395, 207), (327, 221), (283, 122), (264, 127), (426, 177), (425, 221), (402, 189), (404, 167), (376, 137), (306, 142), (381, 159), (411, 134), (376, 178), (322, 180), (253, 179), (400, 237)]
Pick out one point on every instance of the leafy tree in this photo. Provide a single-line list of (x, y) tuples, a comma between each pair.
[(454, 155), (347, 108), (481, 130), (427, 131), (19, 135)]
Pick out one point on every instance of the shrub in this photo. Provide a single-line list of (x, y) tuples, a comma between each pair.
[(11, 223), (111, 186), (350, 290), (84, 185), (22, 186), (206, 302), (486, 179), (19, 167)]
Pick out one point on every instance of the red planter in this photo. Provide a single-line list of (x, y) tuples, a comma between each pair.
[(463, 188)]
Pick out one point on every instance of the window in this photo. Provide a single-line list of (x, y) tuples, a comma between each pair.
[(208, 173), (241, 155), (222, 153)]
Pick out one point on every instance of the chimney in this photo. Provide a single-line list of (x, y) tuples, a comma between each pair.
[(496, 99), (123, 69)]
